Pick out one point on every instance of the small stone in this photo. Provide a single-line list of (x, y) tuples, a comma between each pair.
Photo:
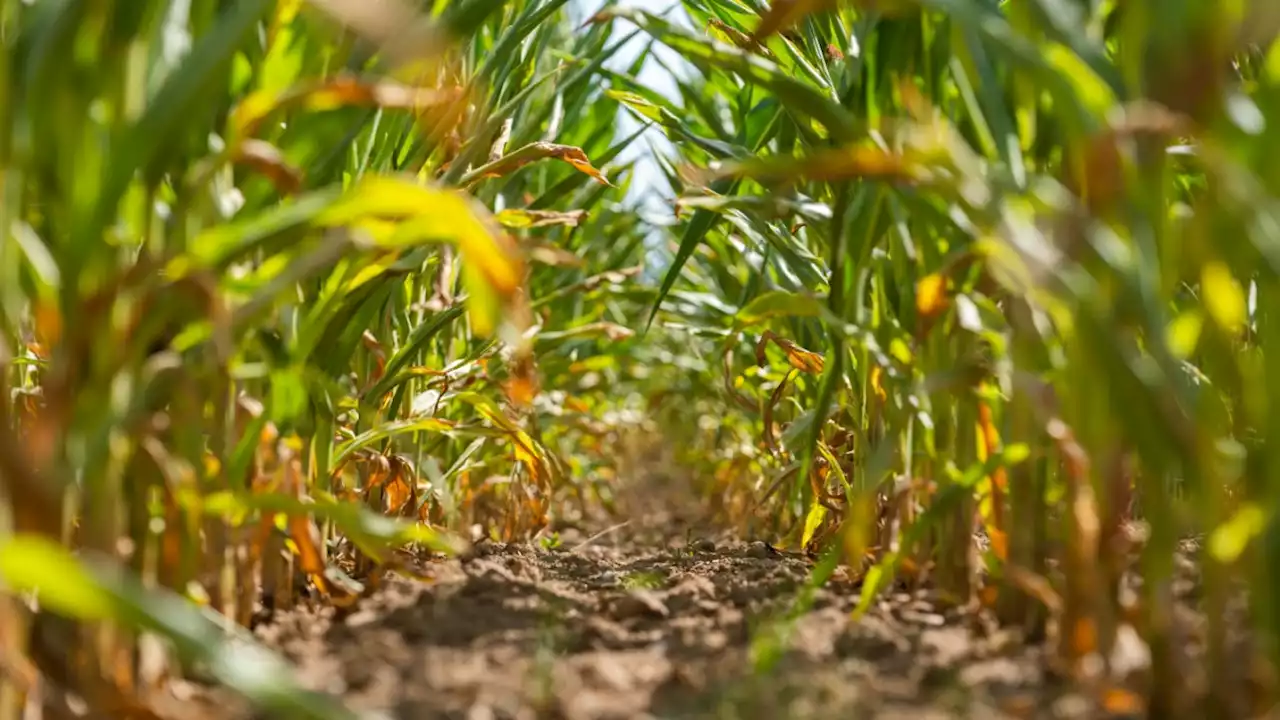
[(640, 603), (704, 545), (759, 549), (928, 619)]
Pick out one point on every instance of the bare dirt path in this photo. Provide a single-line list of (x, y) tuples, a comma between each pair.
[(620, 629)]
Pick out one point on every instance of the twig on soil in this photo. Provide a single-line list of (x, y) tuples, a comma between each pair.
[(599, 535)]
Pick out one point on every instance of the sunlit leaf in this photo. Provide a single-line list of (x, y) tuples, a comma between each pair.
[(812, 521), (1183, 333), (342, 91), (493, 266), (931, 295), (1223, 297), (1229, 540), (32, 563), (847, 163), (777, 303)]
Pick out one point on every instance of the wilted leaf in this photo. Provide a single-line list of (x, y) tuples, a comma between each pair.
[(267, 159), (520, 218), (522, 387), (306, 539), (800, 359), (531, 153)]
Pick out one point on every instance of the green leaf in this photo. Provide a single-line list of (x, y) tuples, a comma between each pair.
[(33, 563), (168, 113), (778, 303)]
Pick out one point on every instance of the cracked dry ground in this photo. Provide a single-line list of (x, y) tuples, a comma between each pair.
[(611, 631)]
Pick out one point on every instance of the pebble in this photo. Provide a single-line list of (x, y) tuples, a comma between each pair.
[(704, 545)]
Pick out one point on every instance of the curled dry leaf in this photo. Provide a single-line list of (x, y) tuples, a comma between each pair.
[(770, 435), (519, 219), (800, 359), (531, 153), (266, 159), (742, 400)]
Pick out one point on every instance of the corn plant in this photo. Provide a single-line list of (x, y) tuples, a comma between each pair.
[(289, 289), (990, 282)]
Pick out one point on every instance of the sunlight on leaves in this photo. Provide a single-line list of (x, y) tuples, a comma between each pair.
[(32, 563)]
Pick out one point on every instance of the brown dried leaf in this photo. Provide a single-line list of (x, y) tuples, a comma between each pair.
[(266, 159), (1120, 702), (519, 218), (800, 359), (531, 153), (307, 544), (770, 440)]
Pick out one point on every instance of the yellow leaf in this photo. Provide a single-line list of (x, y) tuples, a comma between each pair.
[(520, 218), (1229, 540), (492, 267), (1223, 297), (1183, 333), (931, 295), (34, 563), (812, 521), (877, 383)]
